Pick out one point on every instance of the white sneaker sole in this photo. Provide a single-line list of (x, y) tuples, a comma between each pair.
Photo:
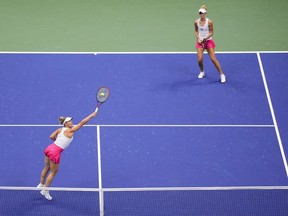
[(201, 77)]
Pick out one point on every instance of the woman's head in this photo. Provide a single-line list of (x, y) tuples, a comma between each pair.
[(66, 121), (203, 10)]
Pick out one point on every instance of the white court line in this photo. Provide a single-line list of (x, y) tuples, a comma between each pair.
[(50, 188), (272, 113), (194, 52), (101, 194), (197, 125), (187, 126), (198, 188), (276, 187), (159, 52)]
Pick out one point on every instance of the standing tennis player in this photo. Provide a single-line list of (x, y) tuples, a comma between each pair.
[(62, 138), (203, 33)]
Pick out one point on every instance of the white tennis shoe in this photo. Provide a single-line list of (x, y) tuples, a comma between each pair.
[(47, 194), (44, 192), (40, 185), (201, 75), (222, 78)]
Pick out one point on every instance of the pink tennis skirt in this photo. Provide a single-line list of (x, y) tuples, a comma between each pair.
[(53, 152), (207, 45)]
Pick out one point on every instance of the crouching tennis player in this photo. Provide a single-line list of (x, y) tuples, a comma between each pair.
[(62, 138)]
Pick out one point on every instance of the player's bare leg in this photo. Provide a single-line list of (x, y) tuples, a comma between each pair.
[(200, 62), (213, 58)]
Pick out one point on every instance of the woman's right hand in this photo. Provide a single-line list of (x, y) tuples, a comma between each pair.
[(93, 114)]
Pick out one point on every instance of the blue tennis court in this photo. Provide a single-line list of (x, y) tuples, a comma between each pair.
[(165, 143)]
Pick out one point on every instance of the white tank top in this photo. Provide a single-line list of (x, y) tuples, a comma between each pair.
[(62, 141), (203, 30)]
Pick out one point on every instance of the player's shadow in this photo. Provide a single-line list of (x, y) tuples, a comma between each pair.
[(190, 82)]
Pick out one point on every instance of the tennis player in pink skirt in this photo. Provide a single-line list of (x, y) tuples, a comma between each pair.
[(203, 32), (62, 138)]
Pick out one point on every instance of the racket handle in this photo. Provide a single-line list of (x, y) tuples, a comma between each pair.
[(96, 109)]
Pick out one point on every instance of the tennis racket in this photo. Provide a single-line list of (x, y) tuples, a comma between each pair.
[(204, 41), (102, 95)]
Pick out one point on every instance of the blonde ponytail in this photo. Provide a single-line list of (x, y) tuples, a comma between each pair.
[(204, 7), (61, 119)]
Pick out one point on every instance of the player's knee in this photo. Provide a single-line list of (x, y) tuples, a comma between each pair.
[(53, 171)]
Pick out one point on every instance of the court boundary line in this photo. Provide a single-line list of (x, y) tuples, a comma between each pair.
[(159, 52), (101, 194), (211, 188), (131, 125), (272, 113)]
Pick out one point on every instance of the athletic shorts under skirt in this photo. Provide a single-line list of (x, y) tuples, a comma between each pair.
[(53, 152)]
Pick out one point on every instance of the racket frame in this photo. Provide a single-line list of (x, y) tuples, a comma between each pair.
[(99, 103)]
